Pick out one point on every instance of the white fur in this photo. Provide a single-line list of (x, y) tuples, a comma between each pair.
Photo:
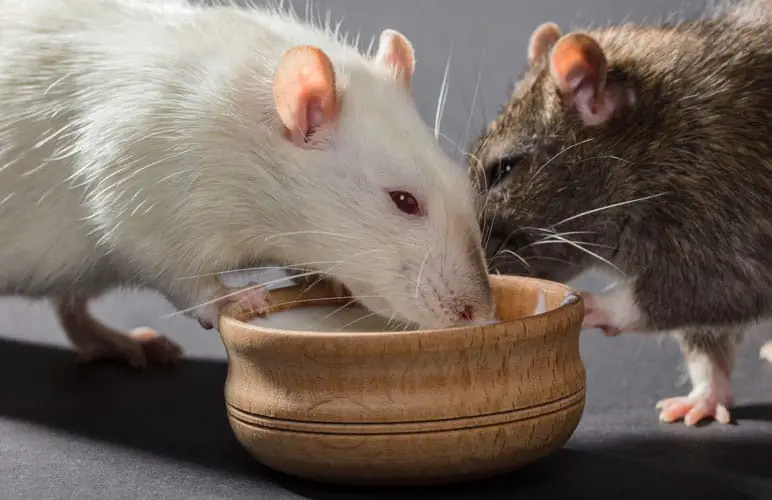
[(139, 146), (618, 306)]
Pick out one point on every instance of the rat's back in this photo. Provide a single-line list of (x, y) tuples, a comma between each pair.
[(83, 83)]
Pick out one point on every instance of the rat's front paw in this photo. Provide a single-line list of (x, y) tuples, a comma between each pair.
[(595, 316), (252, 298), (766, 351), (612, 312), (702, 403)]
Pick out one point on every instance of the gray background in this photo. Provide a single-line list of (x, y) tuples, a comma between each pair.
[(107, 432)]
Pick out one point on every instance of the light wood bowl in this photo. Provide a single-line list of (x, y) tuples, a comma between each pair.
[(408, 408)]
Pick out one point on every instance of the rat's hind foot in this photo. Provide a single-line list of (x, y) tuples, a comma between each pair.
[(709, 356), (155, 346), (96, 341), (140, 347), (766, 351), (695, 408)]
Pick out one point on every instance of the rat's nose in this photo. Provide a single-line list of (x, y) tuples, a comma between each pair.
[(466, 313)]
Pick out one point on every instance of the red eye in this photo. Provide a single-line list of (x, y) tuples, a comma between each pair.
[(406, 202)]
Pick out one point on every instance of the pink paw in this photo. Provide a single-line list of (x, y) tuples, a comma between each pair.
[(254, 299), (766, 351), (694, 408), (594, 317)]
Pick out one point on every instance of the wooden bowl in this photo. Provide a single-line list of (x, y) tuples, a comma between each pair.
[(408, 407)]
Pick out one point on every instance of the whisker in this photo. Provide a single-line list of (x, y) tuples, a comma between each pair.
[(474, 98), (585, 250), (295, 233), (443, 95), (561, 152), (362, 318), (554, 259), (420, 274), (606, 207), (246, 270), (585, 243), (232, 294), (517, 256), (339, 309)]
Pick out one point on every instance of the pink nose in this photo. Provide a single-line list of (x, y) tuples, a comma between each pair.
[(466, 313)]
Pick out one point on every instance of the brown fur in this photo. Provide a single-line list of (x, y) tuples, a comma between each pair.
[(699, 134)]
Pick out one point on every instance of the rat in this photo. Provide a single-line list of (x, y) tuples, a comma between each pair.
[(644, 150), (158, 145)]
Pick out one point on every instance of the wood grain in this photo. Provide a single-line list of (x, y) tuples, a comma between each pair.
[(418, 407)]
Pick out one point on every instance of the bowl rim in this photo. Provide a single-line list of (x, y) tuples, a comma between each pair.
[(228, 318)]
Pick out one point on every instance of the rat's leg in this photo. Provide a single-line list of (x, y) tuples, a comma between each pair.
[(766, 351), (710, 355), (95, 340)]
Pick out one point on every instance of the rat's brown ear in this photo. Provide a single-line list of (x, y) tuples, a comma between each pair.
[(396, 52), (304, 92), (578, 66), (542, 39)]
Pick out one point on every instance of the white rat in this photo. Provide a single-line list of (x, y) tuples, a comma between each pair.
[(144, 144)]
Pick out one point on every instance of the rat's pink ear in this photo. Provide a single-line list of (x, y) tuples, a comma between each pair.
[(578, 66), (542, 39), (304, 92), (396, 52)]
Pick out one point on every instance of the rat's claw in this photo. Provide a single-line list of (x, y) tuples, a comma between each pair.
[(695, 408), (766, 351)]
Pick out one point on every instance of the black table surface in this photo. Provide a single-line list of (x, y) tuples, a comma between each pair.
[(106, 431)]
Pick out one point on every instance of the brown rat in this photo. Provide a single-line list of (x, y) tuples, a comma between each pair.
[(155, 144), (645, 150)]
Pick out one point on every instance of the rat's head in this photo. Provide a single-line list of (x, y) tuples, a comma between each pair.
[(554, 168), (377, 205)]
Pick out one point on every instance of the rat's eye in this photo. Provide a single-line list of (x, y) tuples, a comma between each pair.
[(405, 202), (501, 169)]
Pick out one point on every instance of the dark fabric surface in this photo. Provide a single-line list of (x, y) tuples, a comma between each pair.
[(106, 431)]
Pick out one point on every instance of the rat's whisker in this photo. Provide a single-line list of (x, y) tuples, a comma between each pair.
[(298, 267), (553, 259), (452, 143), (579, 247), (348, 303), (606, 207), (443, 95), (234, 293), (213, 301), (420, 273), (517, 256), (357, 320), (558, 154), (552, 232), (547, 241), (474, 98), (604, 157), (295, 233)]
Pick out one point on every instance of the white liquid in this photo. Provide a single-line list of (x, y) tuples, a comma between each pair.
[(327, 319)]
